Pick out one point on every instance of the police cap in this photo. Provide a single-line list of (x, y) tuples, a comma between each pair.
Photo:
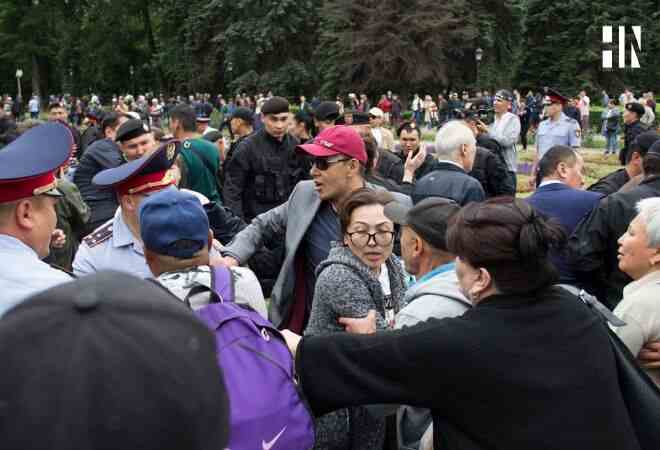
[(147, 174), (28, 164), (552, 96)]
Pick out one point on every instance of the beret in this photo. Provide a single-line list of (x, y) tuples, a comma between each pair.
[(130, 130), (275, 105)]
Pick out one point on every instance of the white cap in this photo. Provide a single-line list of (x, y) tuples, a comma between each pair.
[(376, 112)]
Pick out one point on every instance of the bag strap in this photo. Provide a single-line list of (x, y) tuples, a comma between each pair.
[(593, 304), (198, 289), (222, 283)]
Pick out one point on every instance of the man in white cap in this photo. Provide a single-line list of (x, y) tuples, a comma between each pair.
[(383, 136)]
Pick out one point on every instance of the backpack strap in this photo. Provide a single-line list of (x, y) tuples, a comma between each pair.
[(198, 289), (222, 283)]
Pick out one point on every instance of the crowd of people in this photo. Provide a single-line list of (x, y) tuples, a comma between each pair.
[(423, 305)]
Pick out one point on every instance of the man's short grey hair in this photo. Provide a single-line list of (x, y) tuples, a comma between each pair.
[(450, 137), (649, 213)]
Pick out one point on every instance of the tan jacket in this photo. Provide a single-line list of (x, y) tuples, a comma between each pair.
[(386, 141), (640, 309)]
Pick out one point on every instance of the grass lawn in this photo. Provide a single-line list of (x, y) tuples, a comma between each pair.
[(595, 167)]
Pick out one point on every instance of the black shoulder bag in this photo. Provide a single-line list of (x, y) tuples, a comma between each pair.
[(641, 395)]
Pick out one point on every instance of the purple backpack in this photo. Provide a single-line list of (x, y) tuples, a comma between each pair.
[(267, 411)]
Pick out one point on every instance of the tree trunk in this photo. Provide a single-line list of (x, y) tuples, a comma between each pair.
[(151, 41), (36, 77)]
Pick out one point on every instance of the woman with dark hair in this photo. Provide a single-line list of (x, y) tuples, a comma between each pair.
[(528, 367), (360, 274)]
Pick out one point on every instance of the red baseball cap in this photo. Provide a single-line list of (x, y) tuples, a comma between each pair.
[(337, 140)]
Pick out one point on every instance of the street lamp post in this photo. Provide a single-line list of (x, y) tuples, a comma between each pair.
[(19, 75), (132, 72), (478, 54)]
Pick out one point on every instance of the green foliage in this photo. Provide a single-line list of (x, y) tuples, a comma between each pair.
[(413, 45), (325, 47), (563, 44)]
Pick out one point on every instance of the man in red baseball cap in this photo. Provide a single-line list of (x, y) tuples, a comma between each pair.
[(308, 222)]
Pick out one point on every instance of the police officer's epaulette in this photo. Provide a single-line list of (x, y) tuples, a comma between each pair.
[(101, 234)]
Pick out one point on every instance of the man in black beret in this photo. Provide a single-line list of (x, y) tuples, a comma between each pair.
[(261, 175), (632, 112), (265, 166), (135, 139), (326, 115), (241, 125)]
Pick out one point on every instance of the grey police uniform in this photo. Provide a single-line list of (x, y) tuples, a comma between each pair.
[(112, 246), (24, 274), (564, 131), (28, 171)]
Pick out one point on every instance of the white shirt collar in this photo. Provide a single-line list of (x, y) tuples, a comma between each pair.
[(547, 182)]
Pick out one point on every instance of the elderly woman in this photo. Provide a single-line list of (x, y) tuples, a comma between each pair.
[(529, 367), (639, 257), (359, 275)]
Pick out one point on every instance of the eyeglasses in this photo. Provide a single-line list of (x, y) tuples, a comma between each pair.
[(323, 164), (362, 238)]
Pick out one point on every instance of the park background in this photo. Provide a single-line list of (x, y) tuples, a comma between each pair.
[(323, 48)]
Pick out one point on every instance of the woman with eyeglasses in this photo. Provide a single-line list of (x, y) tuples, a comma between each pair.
[(528, 367), (360, 274)]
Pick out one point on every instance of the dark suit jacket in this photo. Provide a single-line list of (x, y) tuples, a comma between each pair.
[(449, 181), (524, 372), (568, 206)]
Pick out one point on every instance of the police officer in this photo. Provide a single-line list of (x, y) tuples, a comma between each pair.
[(265, 166), (28, 195), (116, 244), (556, 129), (632, 112)]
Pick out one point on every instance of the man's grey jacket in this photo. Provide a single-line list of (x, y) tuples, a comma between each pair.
[(291, 220)]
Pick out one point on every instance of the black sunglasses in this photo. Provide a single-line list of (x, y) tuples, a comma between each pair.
[(324, 163)]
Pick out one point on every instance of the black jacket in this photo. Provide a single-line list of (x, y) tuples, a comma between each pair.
[(88, 137), (514, 373), (390, 166), (224, 223), (101, 155), (630, 134), (261, 174), (611, 183), (594, 247), (492, 173), (449, 181), (227, 161)]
